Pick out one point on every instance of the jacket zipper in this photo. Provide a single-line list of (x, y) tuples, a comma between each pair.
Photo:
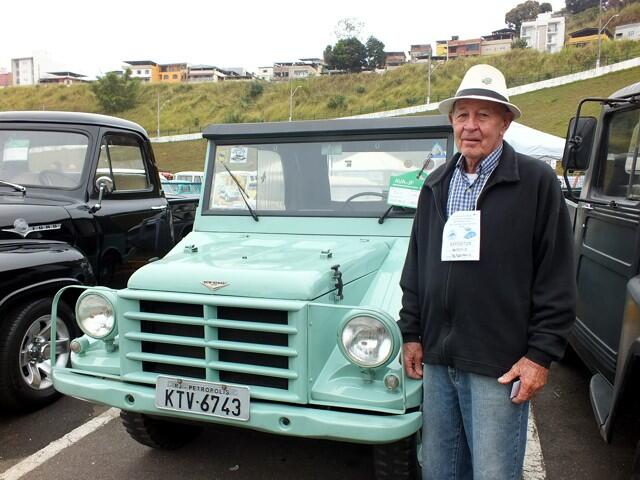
[(445, 293)]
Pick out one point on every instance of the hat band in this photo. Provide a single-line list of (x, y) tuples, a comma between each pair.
[(481, 92)]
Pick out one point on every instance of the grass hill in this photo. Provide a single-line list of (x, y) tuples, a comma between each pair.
[(187, 108), (548, 110)]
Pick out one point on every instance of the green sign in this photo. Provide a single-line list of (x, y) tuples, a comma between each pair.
[(404, 189)]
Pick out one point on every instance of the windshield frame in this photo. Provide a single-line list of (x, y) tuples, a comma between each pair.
[(426, 134)]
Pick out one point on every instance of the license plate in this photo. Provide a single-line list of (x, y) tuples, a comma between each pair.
[(204, 398)]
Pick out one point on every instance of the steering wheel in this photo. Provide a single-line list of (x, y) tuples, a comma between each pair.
[(364, 194), (47, 177)]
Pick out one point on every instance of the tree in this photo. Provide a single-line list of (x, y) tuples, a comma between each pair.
[(347, 54), (348, 27), (546, 7), (521, 12), (116, 93), (519, 43), (375, 53), (576, 6)]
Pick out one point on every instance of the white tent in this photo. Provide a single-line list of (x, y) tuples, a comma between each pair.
[(535, 143)]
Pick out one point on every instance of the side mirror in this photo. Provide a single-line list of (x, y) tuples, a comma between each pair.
[(104, 185), (577, 149)]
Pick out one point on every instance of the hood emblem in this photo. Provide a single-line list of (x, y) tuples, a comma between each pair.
[(22, 227), (214, 284)]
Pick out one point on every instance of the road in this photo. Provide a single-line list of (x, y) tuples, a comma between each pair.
[(570, 443)]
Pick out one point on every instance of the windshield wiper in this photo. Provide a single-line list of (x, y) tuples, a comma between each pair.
[(243, 194), (15, 186), (388, 211)]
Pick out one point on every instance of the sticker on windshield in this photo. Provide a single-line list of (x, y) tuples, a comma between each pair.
[(239, 155), (16, 150), (404, 189)]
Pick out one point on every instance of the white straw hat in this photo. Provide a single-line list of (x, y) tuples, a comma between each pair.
[(482, 82)]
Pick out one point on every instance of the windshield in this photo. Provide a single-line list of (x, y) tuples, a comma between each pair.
[(342, 178), (42, 158)]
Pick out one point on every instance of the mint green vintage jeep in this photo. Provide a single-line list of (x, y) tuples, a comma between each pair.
[(278, 312)]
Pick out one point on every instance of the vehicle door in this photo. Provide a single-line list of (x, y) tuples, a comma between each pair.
[(134, 219), (607, 242)]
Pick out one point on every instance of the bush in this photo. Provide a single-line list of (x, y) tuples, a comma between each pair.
[(337, 101), (116, 93), (254, 90), (360, 89)]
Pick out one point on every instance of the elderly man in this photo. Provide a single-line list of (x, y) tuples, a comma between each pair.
[(488, 289)]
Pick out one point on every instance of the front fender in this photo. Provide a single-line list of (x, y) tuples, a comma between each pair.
[(32, 267), (628, 353)]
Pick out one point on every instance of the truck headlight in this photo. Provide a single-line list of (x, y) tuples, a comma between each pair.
[(95, 315), (368, 341)]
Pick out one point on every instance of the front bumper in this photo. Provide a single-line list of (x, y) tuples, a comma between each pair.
[(266, 417)]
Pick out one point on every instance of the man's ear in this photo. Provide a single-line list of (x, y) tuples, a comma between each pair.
[(508, 118)]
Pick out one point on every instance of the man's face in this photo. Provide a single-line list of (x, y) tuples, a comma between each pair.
[(478, 127)]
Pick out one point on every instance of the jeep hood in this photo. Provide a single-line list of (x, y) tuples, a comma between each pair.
[(268, 266)]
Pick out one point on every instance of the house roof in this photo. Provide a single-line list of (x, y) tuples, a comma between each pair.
[(66, 74), (140, 62), (587, 32)]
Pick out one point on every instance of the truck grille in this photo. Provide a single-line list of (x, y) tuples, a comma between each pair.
[(246, 346)]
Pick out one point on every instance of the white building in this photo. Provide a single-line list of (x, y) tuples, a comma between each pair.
[(145, 70), (545, 33), (265, 73), (630, 31), (24, 71)]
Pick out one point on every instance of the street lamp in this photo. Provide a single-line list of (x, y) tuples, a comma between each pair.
[(292, 93), (158, 113), (429, 71), (600, 30)]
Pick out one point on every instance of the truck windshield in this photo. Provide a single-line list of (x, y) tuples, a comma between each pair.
[(342, 178), (42, 158)]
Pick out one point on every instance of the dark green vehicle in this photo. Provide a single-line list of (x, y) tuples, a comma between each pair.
[(606, 219)]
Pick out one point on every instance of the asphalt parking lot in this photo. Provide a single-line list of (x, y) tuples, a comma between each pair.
[(570, 443)]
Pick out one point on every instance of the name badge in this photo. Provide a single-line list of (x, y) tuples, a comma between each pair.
[(461, 237)]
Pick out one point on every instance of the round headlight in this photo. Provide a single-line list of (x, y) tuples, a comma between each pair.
[(95, 315), (366, 341)]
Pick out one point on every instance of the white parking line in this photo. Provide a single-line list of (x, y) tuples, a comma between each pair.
[(534, 468), (34, 461)]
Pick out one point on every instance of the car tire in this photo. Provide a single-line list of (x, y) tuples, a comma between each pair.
[(25, 377), (156, 433), (398, 460)]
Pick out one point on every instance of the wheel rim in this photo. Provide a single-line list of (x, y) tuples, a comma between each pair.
[(35, 352)]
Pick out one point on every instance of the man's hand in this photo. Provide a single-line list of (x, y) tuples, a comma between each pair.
[(412, 359), (532, 378)]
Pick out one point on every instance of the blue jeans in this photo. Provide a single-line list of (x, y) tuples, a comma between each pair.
[(471, 429)]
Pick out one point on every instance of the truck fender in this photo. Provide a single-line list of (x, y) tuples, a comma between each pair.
[(628, 355)]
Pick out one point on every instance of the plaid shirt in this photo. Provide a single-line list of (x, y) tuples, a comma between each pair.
[(463, 194)]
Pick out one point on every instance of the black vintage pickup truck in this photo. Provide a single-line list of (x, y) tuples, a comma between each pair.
[(80, 203)]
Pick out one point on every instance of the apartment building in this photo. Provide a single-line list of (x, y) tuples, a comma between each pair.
[(545, 33), (498, 42), (304, 68), (144, 70), (173, 72), (265, 73), (441, 48), (464, 48), (5, 78), (394, 60), (630, 31), (23, 71), (420, 53)]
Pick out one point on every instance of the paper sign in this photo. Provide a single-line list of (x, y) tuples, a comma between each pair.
[(16, 151), (404, 189), (239, 155), (461, 237)]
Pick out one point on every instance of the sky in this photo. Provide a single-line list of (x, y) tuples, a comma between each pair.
[(92, 38)]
